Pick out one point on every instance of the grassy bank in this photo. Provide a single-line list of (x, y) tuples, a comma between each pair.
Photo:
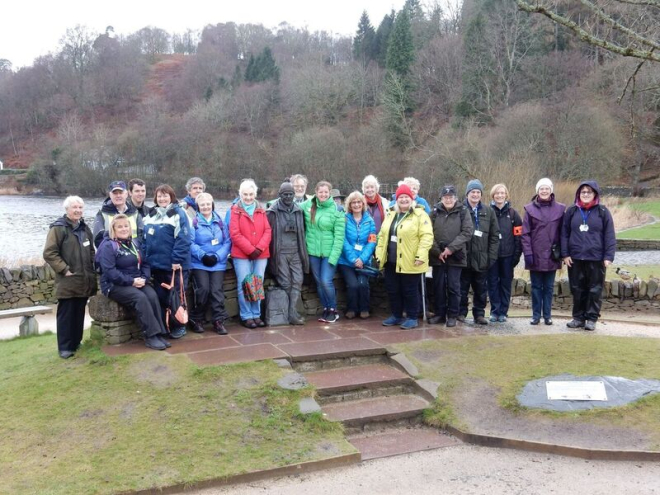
[(95, 424), (507, 363), (650, 231)]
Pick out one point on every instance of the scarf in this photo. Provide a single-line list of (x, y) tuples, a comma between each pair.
[(249, 209), (587, 206)]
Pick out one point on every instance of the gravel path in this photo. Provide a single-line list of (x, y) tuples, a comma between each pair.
[(632, 258), (467, 469)]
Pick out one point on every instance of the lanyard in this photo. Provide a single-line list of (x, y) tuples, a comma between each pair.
[(584, 217), (475, 210), (135, 252), (399, 219)]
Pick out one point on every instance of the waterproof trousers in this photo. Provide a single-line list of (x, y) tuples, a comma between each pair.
[(446, 290), (478, 281), (402, 291), (70, 323), (586, 279), (144, 302), (207, 291)]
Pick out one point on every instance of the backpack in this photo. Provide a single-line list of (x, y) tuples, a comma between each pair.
[(97, 263)]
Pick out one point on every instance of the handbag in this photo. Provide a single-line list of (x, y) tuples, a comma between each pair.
[(253, 288), (555, 252), (177, 310)]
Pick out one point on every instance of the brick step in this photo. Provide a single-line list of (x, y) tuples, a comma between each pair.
[(332, 381), (401, 441), (380, 409)]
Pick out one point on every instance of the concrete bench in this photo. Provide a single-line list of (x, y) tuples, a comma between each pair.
[(28, 324)]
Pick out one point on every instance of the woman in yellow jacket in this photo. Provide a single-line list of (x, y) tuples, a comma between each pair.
[(403, 252)]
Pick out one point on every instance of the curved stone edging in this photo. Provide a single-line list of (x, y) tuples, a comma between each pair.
[(548, 448), (302, 468)]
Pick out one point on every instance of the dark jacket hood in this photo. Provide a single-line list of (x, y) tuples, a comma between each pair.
[(592, 184), (64, 221)]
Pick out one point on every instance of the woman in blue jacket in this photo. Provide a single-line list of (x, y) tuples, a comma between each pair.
[(210, 248), (359, 246), (167, 246), (125, 278)]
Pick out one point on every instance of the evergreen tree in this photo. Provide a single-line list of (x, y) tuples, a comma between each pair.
[(400, 48), (237, 78), (250, 71), (363, 42), (382, 38), (262, 68)]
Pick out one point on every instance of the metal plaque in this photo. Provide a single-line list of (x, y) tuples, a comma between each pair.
[(576, 391)]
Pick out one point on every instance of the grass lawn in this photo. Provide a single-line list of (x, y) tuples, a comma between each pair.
[(508, 363), (645, 231), (94, 424)]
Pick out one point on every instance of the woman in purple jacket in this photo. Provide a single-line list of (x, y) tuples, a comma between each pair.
[(588, 244), (540, 242)]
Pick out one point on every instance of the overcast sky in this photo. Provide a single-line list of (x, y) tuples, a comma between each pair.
[(33, 28)]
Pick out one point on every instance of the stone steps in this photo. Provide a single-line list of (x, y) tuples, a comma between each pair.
[(357, 414), (401, 441), (371, 376)]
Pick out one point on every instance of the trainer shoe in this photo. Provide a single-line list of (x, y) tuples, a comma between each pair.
[(162, 338), (333, 316), (502, 319), (154, 343), (324, 317), (408, 324), (393, 321), (350, 315), (177, 333), (590, 325), (494, 318), (575, 323), (364, 315)]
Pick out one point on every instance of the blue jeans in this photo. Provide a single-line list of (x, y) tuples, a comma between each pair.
[(243, 267), (543, 284), (500, 278), (357, 289), (323, 273)]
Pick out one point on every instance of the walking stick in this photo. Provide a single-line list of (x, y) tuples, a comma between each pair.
[(423, 296)]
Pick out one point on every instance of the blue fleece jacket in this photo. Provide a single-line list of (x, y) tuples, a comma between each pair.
[(209, 237)]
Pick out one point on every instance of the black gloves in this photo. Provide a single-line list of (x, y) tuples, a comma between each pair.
[(209, 259)]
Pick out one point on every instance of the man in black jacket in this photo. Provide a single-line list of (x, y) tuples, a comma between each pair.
[(452, 230), (481, 253)]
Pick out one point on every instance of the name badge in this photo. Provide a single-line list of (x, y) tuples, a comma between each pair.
[(478, 233), (358, 247), (215, 242), (500, 236), (393, 239), (584, 228), (86, 243), (151, 231)]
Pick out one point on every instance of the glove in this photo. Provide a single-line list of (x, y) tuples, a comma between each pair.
[(255, 254), (209, 259), (529, 260)]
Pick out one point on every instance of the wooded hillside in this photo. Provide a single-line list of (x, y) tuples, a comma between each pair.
[(484, 90)]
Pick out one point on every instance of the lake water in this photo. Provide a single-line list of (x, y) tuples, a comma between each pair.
[(24, 222)]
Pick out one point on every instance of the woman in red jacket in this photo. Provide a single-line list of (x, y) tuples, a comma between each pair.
[(250, 234)]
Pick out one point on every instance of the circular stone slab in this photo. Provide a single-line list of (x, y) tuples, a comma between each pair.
[(620, 391)]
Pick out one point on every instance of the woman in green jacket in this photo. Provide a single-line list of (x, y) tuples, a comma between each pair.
[(324, 227), (403, 247)]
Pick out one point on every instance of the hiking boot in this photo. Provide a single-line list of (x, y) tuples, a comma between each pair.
[(575, 323), (249, 323), (196, 326), (590, 325), (66, 354), (333, 316), (154, 343), (437, 319), (461, 318), (408, 324), (219, 327), (392, 321), (480, 320), (350, 315), (451, 322), (260, 322), (177, 333), (364, 314)]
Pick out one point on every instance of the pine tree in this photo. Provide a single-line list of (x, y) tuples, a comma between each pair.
[(382, 38), (363, 42), (250, 71), (400, 48)]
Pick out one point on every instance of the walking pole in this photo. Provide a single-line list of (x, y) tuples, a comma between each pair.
[(423, 296)]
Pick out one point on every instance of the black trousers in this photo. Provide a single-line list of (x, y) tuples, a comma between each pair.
[(586, 279), (447, 290), (402, 291), (207, 290), (478, 282), (70, 323), (145, 303)]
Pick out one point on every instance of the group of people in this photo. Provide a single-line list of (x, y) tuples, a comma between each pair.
[(142, 253)]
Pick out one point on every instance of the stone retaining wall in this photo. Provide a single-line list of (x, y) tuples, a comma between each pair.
[(26, 286), (638, 245)]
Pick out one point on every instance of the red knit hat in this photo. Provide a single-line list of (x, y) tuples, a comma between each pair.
[(404, 189)]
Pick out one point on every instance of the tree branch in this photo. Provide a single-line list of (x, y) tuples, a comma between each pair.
[(647, 3), (586, 36)]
